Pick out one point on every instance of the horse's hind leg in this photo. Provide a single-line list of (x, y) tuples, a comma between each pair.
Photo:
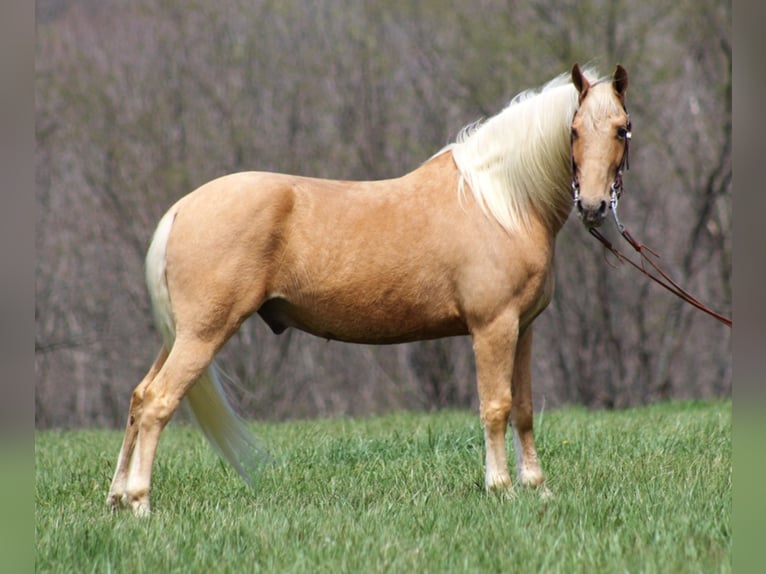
[(527, 464), (116, 496), (187, 360)]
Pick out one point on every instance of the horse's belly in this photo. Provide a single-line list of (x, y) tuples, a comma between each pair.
[(345, 321)]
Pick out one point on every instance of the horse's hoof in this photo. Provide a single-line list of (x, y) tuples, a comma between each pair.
[(141, 508), (545, 493), (116, 502)]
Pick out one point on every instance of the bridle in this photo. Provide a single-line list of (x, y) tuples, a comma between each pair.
[(616, 190)]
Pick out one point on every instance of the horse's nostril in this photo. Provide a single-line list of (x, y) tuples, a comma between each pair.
[(593, 213)]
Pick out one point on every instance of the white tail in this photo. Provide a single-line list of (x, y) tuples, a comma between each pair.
[(222, 427)]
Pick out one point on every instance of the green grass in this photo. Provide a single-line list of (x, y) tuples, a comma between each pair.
[(644, 490)]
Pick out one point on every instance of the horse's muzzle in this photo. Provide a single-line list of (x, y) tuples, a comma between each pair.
[(592, 215)]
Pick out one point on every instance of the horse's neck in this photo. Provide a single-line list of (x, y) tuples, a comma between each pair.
[(442, 176)]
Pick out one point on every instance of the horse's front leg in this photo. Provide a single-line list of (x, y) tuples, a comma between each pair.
[(494, 346), (527, 464)]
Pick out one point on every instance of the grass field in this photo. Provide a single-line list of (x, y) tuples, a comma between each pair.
[(643, 490)]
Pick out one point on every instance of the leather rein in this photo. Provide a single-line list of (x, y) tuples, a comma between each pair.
[(647, 255)]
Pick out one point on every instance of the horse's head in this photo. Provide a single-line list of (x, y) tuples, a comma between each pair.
[(600, 137)]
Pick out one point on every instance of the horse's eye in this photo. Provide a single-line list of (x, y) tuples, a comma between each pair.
[(574, 134), (622, 133)]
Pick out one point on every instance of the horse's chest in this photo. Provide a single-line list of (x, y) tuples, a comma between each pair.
[(539, 295)]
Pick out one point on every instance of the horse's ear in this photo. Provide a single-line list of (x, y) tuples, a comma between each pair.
[(580, 81), (620, 81)]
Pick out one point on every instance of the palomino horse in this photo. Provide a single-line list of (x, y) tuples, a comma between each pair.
[(462, 245)]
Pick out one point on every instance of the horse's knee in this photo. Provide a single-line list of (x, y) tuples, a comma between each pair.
[(495, 414)]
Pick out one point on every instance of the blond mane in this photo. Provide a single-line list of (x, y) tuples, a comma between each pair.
[(517, 162)]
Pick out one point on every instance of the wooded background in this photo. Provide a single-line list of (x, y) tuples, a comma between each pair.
[(139, 102)]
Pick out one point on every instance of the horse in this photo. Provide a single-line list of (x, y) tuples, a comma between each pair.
[(461, 245)]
